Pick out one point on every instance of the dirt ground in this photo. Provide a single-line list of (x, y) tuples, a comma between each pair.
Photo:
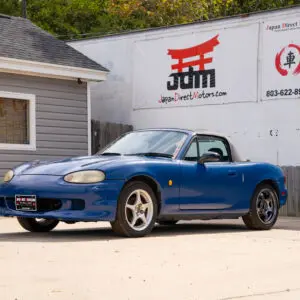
[(189, 261)]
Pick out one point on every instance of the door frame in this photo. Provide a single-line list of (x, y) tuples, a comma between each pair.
[(196, 136)]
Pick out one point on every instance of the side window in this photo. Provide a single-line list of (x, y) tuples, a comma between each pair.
[(192, 153), (214, 144)]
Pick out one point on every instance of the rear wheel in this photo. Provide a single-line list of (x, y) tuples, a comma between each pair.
[(264, 208), (37, 225), (136, 212), (167, 223)]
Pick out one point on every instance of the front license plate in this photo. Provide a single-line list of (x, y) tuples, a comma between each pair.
[(26, 203)]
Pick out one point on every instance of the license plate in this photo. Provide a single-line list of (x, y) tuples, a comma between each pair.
[(26, 202)]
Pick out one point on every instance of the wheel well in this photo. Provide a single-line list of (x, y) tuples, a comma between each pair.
[(152, 183), (273, 184)]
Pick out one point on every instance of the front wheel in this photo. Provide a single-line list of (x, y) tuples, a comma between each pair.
[(37, 225), (136, 211), (264, 208)]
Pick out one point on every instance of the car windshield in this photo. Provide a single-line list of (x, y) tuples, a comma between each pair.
[(149, 142)]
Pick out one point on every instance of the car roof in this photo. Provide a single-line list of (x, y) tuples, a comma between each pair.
[(188, 131)]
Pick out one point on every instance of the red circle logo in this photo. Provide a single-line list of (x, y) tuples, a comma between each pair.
[(287, 61)]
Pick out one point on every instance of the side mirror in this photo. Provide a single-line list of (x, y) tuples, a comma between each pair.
[(209, 157)]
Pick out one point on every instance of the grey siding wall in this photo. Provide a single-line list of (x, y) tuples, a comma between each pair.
[(61, 118)]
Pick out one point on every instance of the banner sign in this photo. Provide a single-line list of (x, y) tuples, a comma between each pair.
[(196, 68), (281, 59)]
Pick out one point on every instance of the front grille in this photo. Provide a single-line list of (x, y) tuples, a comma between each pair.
[(43, 204)]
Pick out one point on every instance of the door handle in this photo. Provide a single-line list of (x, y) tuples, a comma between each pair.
[(231, 173)]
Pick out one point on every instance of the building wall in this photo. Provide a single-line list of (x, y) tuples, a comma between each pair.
[(61, 118), (111, 101), (263, 129)]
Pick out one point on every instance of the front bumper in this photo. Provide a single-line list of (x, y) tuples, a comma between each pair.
[(61, 200)]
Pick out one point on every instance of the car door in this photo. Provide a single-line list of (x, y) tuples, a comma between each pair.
[(212, 185)]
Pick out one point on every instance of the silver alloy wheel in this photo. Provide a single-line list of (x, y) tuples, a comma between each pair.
[(139, 210), (266, 205)]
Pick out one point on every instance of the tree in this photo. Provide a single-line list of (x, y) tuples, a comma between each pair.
[(10, 7), (79, 18), (65, 17), (134, 14)]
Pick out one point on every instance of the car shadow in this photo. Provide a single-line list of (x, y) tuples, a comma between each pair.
[(106, 234), (197, 228)]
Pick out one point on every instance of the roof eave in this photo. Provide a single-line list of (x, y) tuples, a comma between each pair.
[(33, 68)]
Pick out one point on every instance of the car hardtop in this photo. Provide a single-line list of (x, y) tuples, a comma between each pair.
[(235, 155)]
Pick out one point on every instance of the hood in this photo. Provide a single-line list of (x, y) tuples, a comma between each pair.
[(65, 166)]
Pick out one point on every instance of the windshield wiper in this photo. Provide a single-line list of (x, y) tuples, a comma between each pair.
[(110, 153), (153, 154)]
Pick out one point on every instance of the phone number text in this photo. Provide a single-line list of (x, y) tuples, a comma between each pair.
[(284, 92)]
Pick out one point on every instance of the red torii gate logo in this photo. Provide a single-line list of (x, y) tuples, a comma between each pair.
[(194, 76)]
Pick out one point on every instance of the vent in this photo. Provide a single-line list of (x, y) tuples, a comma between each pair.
[(78, 204), (2, 202)]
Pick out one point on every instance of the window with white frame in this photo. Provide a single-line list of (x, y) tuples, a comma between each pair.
[(17, 121)]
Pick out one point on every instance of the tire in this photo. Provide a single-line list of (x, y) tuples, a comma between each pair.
[(258, 218), (32, 225), (167, 223), (136, 215)]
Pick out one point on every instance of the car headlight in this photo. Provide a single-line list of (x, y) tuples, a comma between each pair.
[(91, 176), (8, 176)]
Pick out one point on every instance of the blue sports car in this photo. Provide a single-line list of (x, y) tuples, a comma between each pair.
[(144, 177)]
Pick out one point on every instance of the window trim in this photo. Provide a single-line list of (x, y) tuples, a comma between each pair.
[(224, 140), (197, 137), (32, 121)]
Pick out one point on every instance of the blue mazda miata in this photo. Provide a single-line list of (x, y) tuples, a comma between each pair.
[(144, 177)]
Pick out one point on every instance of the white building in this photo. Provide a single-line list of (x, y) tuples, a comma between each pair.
[(244, 80)]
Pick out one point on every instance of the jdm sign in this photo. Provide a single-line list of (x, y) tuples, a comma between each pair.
[(196, 68), (281, 60)]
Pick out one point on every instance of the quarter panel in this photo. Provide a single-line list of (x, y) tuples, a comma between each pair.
[(253, 174)]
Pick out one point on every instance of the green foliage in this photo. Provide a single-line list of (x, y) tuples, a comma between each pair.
[(79, 18), (65, 17), (10, 7)]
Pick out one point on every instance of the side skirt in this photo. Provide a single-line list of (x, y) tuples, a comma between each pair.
[(205, 215)]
